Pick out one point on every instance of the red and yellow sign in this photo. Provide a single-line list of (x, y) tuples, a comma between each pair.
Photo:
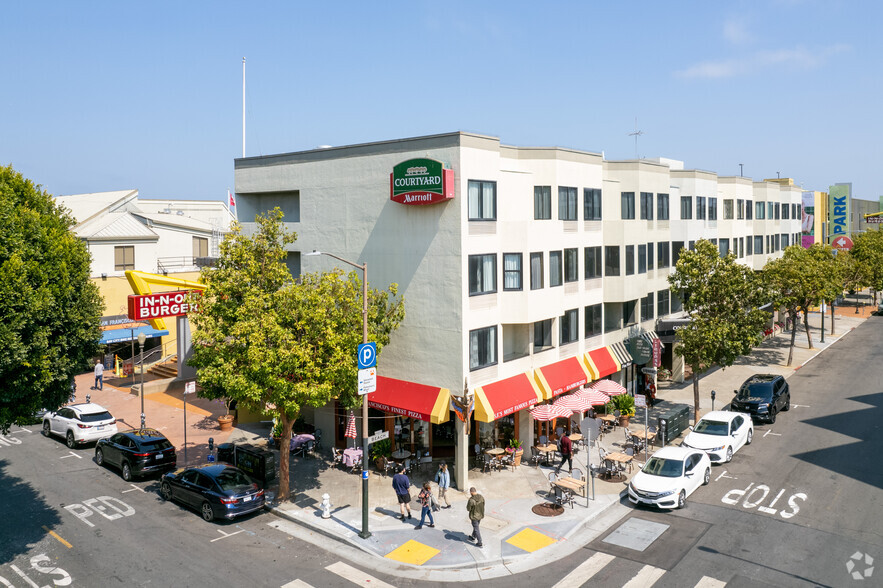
[(163, 304)]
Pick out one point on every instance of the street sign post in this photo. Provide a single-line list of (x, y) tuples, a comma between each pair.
[(367, 381), (367, 355), (378, 436), (189, 388)]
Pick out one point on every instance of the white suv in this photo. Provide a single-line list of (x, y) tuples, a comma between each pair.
[(79, 423)]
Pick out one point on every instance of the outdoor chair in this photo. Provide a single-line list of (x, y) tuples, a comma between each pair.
[(564, 496), (577, 474), (336, 456), (488, 463), (318, 436), (535, 456)]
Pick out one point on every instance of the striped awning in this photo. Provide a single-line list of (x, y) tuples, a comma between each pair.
[(419, 401), (499, 399), (601, 362), (622, 354), (652, 336), (561, 376)]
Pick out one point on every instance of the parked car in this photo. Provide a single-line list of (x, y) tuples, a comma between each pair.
[(669, 477), (137, 452), (763, 396), (215, 490), (720, 434), (79, 423)]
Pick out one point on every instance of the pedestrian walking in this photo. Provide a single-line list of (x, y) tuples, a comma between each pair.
[(99, 375), (475, 508), (402, 486), (565, 446), (425, 498), (443, 479)]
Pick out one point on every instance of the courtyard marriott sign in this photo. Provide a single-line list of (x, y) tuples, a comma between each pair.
[(421, 181)]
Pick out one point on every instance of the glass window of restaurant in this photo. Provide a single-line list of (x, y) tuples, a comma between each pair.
[(497, 433)]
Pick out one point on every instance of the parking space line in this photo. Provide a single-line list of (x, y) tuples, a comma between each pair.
[(134, 487), (724, 475), (225, 535), (770, 432), (71, 454), (57, 536)]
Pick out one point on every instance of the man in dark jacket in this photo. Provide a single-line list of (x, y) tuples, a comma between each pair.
[(402, 486), (566, 453), (475, 508)]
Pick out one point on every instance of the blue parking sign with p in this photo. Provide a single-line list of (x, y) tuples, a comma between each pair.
[(367, 355)]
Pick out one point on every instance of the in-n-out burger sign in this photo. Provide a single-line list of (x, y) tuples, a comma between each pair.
[(152, 306), (421, 181)]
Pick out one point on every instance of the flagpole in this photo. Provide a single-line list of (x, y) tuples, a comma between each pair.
[(243, 107)]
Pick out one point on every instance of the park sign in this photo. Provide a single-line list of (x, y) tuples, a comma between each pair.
[(421, 181), (840, 207), (163, 304)]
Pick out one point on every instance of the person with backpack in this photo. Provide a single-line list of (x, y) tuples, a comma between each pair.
[(425, 498)]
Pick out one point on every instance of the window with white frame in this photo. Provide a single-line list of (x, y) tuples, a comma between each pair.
[(759, 210), (482, 274), (512, 271), (482, 200)]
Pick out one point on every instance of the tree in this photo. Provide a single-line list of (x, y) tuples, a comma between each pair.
[(50, 308), (868, 249), (723, 299), (831, 271), (275, 345)]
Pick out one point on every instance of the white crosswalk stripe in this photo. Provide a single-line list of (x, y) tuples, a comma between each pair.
[(297, 584), (356, 576), (707, 582), (645, 578), (584, 571)]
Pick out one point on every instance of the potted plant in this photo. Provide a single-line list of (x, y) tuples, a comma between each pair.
[(516, 451), (380, 452), (663, 374), (225, 421), (625, 404)]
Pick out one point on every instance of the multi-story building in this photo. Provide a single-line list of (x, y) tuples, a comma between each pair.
[(525, 271)]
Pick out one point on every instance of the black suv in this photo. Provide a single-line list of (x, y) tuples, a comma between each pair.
[(137, 452), (763, 396)]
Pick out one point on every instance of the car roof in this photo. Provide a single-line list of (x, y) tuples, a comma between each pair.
[(144, 434), (673, 452), (86, 408), (762, 379), (719, 415), (213, 469)]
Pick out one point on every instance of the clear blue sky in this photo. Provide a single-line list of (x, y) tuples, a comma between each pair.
[(103, 96)]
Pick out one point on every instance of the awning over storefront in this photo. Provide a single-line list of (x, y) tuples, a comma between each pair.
[(652, 336), (494, 401), (622, 354), (665, 328), (120, 335), (601, 362), (427, 403), (561, 376)]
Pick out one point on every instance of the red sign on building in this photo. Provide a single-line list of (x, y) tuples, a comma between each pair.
[(152, 306), (657, 353)]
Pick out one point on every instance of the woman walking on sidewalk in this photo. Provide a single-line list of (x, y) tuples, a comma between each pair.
[(443, 479), (425, 498)]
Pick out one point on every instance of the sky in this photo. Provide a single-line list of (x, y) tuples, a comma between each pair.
[(99, 96)]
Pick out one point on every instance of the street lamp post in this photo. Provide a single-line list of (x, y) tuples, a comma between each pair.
[(141, 339), (365, 533)]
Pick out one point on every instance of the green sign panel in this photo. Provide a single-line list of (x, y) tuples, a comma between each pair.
[(641, 350), (421, 181)]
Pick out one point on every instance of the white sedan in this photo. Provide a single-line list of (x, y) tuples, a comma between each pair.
[(669, 476), (720, 434), (79, 423)]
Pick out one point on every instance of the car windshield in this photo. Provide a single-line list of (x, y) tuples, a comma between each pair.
[(667, 468), (231, 479), (759, 391), (156, 445), (92, 417), (711, 427)]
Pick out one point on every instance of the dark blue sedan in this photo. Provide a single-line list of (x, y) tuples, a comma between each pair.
[(215, 490)]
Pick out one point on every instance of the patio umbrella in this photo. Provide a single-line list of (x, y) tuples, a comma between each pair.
[(576, 402), (351, 427), (593, 397), (608, 387), (549, 412)]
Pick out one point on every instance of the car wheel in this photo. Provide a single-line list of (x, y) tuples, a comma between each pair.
[(750, 437), (127, 472), (787, 406), (207, 513), (71, 442), (729, 457), (773, 417), (99, 457), (47, 430), (165, 490), (682, 499)]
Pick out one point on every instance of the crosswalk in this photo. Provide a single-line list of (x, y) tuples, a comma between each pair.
[(645, 577)]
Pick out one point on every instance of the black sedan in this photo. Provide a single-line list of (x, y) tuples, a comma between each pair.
[(763, 396), (137, 452), (216, 490)]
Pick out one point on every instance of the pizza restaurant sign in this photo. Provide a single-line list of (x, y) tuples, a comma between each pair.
[(164, 304), (421, 181)]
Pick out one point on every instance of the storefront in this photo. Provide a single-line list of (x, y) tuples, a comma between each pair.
[(499, 409)]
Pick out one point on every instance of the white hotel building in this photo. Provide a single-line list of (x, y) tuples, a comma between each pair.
[(529, 280)]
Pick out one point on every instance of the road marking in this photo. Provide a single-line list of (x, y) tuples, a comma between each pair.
[(7, 441), (101, 506), (707, 582), (134, 487), (800, 406), (297, 584), (19, 431), (584, 571), (225, 535), (57, 536), (770, 432), (724, 475), (356, 576), (71, 454), (645, 578)]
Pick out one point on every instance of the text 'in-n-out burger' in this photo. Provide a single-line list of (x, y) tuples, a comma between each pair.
[(163, 304)]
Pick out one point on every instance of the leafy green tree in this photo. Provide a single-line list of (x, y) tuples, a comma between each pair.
[(723, 299), (275, 345), (831, 271), (50, 309), (868, 249)]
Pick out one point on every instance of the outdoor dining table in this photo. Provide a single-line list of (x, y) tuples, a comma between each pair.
[(640, 434), (351, 456), (573, 485), (300, 439), (547, 450), (619, 460), (401, 454), (495, 451)]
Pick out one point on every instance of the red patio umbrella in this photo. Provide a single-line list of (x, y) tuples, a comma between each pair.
[(594, 397), (549, 412), (575, 402), (351, 427), (608, 387)]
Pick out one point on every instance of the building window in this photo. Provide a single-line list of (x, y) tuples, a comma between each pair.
[(542, 335), (650, 257), (592, 262), (741, 246), (758, 244), (642, 259), (542, 202), (554, 268), (662, 302), (629, 260), (728, 209), (784, 211), (662, 258), (797, 214), (676, 247), (677, 305), (627, 200), (629, 312), (771, 208), (748, 209), (593, 324), (482, 200), (611, 260), (571, 265), (748, 245), (512, 271), (592, 204), (712, 209), (740, 209), (723, 246), (777, 243), (569, 326), (647, 205), (536, 271), (482, 274), (124, 258), (566, 203), (662, 207), (692, 245), (647, 307), (759, 210), (482, 347), (200, 247), (686, 207), (700, 208)]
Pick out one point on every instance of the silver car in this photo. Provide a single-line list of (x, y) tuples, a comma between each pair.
[(79, 423)]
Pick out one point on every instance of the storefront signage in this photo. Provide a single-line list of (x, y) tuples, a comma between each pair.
[(840, 203), (513, 409), (396, 410), (641, 350), (421, 181), (657, 353), (164, 304)]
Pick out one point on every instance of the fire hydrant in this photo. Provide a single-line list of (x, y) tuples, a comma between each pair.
[(326, 506)]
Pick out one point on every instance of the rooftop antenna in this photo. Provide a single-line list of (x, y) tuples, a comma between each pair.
[(636, 134), (243, 107), (740, 170)]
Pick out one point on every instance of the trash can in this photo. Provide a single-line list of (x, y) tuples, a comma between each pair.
[(225, 452), (259, 464)]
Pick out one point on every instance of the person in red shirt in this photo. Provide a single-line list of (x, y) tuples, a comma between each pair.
[(566, 453)]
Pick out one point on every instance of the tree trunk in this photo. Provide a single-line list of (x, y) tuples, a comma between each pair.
[(284, 458), (806, 327), (695, 394), (793, 316)]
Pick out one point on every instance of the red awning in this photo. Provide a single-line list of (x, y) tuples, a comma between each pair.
[(494, 401), (427, 403), (603, 361), (561, 377)]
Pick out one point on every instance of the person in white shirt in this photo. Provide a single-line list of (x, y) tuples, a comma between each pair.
[(99, 375)]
